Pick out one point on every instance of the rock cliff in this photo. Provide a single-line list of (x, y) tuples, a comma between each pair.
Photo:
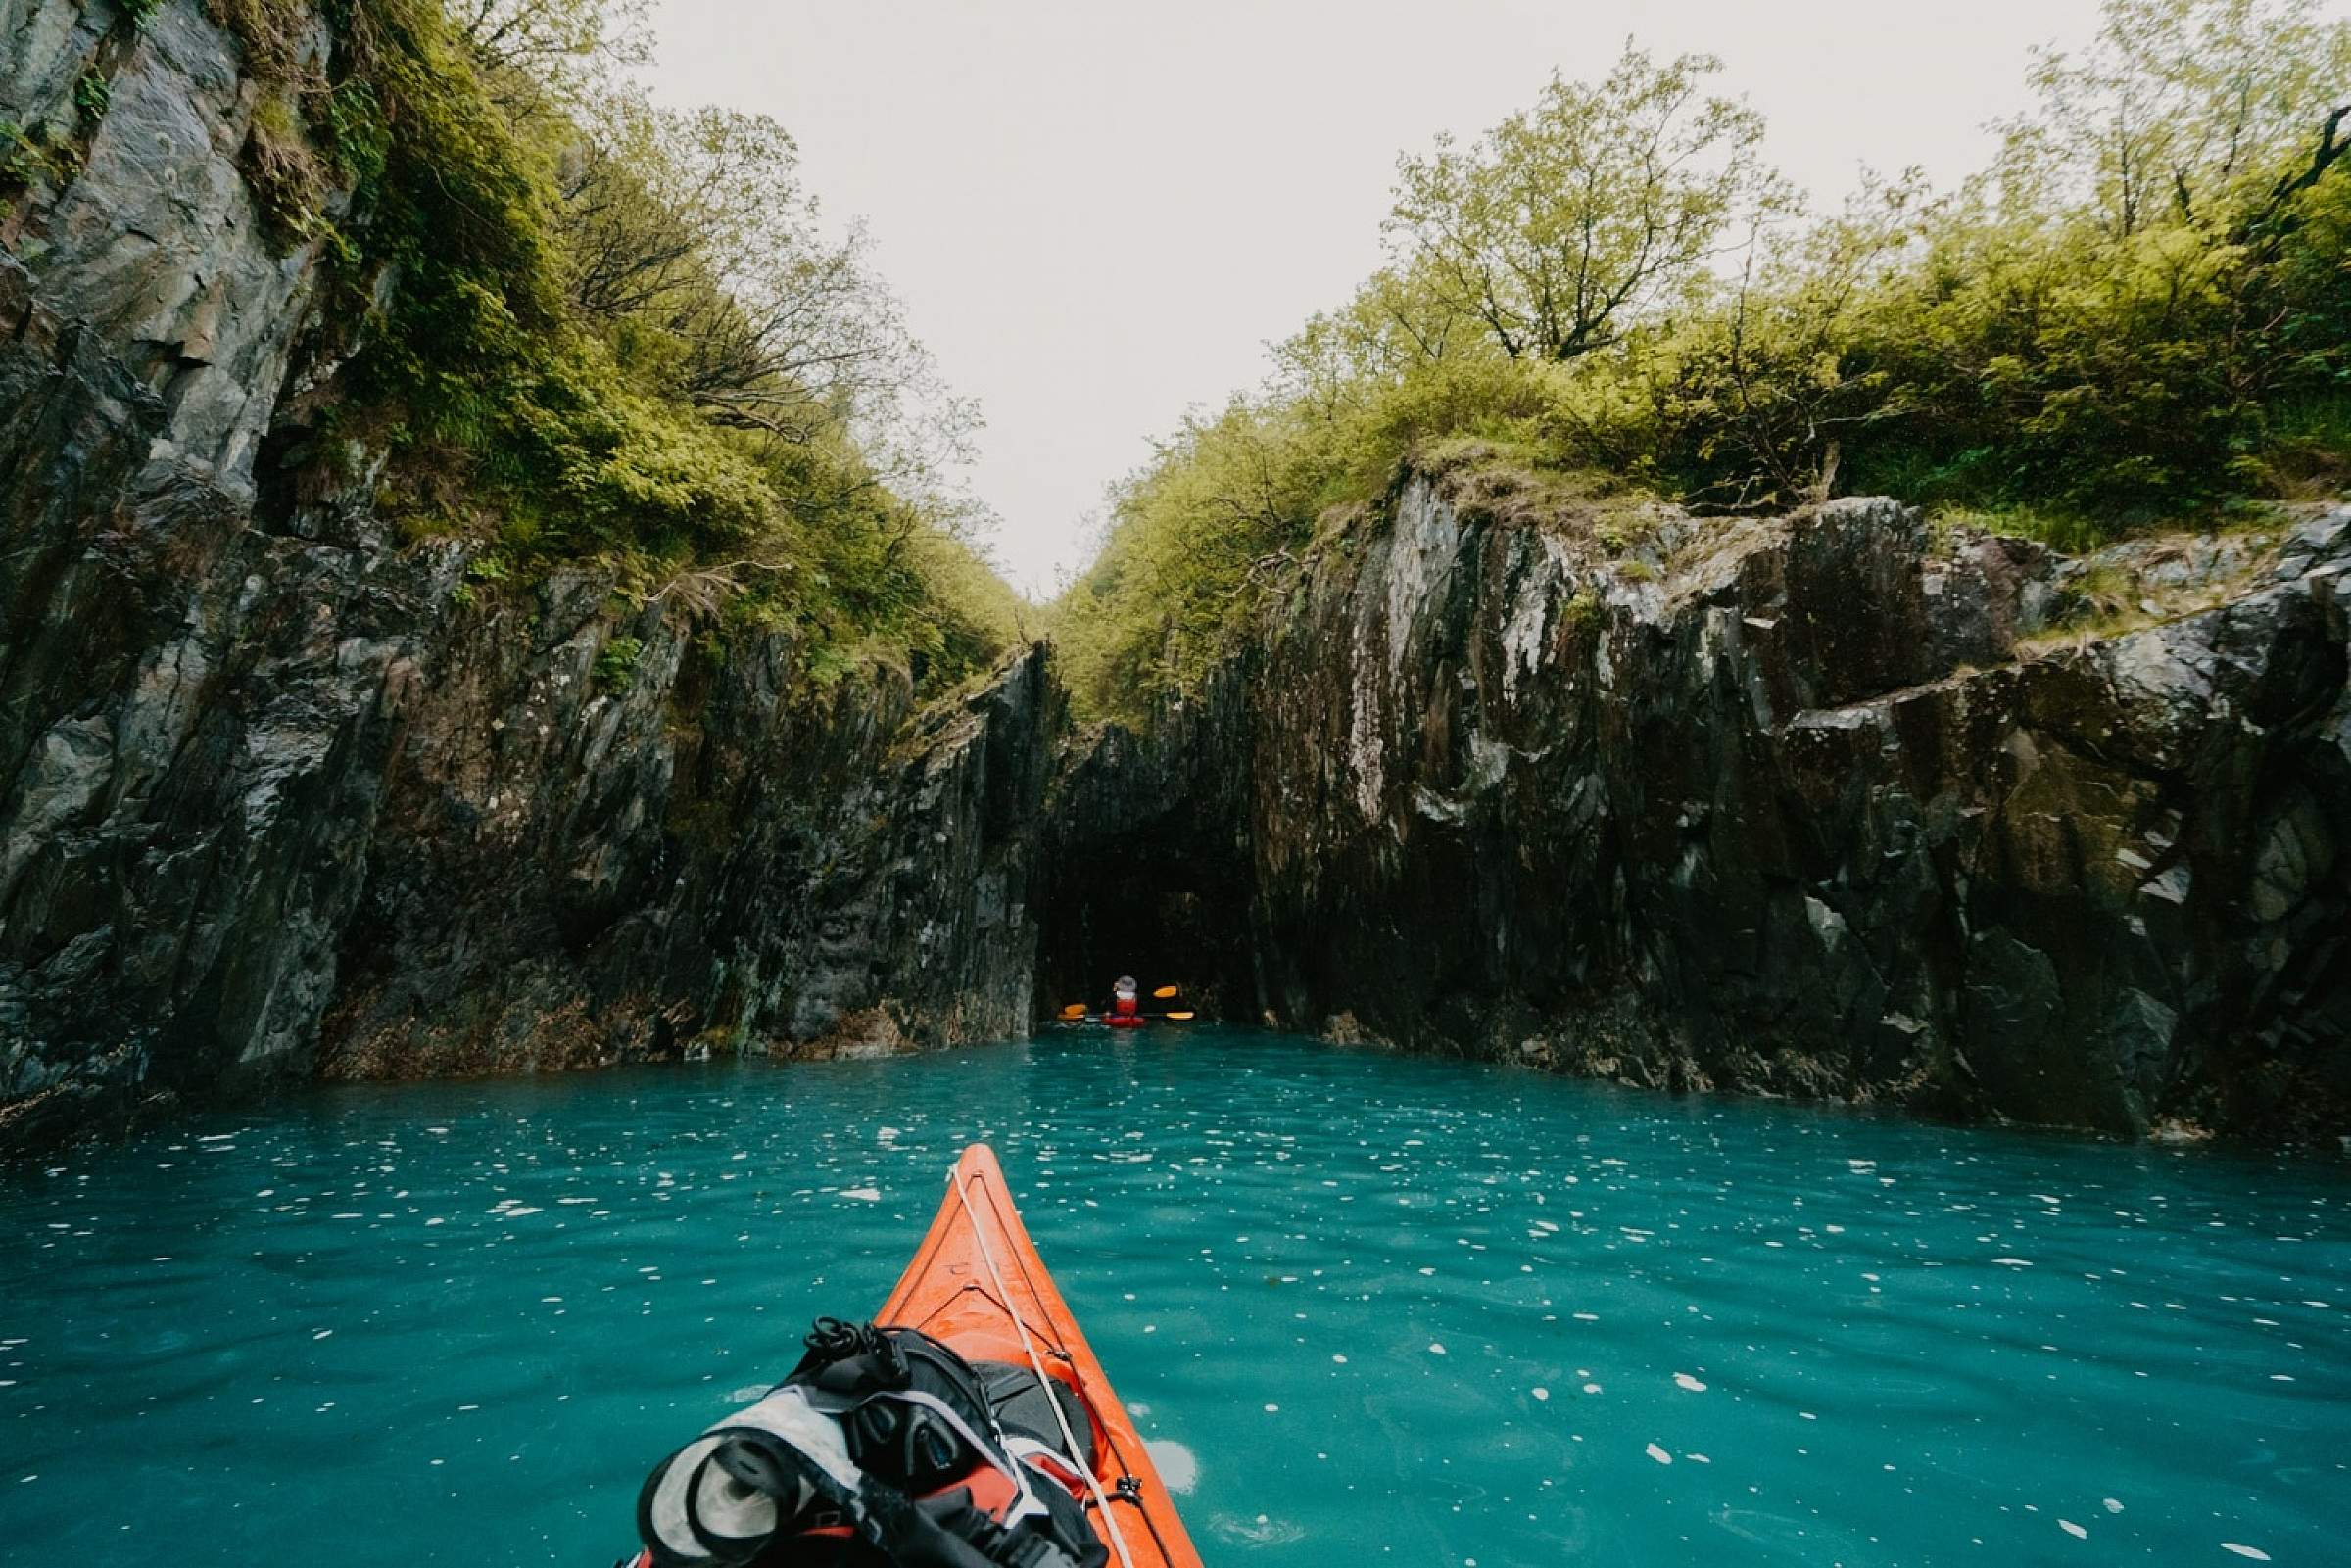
[(1834, 805), (283, 794), (1825, 806)]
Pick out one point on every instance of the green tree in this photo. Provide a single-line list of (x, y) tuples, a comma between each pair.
[(695, 233), (2140, 313), (1566, 222), (1754, 398), (1396, 323), (562, 47), (588, 330), (2183, 111)]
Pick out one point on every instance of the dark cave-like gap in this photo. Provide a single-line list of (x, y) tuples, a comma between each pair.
[(1166, 901)]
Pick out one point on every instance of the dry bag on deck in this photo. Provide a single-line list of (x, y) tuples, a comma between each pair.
[(883, 1447)]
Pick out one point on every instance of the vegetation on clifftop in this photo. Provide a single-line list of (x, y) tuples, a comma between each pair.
[(2140, 311), (596, 330)]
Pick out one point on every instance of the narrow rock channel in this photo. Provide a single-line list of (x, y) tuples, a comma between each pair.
[(1828, 805)]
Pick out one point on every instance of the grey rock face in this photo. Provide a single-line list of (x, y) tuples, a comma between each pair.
[(1812, 811), (1821, 806), (714, 858), (275, 800)]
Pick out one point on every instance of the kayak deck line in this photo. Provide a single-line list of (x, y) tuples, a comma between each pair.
[(950, 1291), (1081, 1456)]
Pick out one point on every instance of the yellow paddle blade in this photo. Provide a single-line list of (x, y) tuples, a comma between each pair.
[(1179, 1017), (1076, 1010), (1163, 992)]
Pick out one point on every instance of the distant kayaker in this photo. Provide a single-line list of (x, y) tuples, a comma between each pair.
[(1126, 1004)]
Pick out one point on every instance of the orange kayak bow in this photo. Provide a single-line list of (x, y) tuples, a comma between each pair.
[(978, 1283)]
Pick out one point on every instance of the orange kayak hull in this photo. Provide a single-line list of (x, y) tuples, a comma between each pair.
[(950, 1292)]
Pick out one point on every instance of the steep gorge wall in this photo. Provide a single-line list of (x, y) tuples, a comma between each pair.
[(282, 794), (1818, 807)]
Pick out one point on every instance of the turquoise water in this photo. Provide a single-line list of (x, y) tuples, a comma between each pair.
[(1367, 1307)]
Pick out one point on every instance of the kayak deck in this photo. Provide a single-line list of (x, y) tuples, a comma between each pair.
[(951, 1292)]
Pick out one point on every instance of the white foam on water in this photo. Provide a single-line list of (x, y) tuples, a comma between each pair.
[(1178, 1467), (1684, 1219)]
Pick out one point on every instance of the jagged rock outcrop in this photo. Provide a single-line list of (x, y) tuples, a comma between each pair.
[(723, 856), (1819, 806), (282, 794)]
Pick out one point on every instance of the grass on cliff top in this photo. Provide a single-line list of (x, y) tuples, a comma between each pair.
[(2045, 351), (590, 331)]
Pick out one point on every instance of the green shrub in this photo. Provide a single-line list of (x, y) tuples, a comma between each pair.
[(282, 168), (2045, 352), (29, 158), (570, 425), (615, 668), (355, 131), (92, 96)]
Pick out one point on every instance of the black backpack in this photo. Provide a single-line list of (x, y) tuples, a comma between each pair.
[(915, 1413), (916, 1418)]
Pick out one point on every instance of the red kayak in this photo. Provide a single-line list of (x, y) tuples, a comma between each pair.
[(977, 1284)]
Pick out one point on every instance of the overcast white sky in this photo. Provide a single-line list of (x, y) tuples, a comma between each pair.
[(1099, 213)]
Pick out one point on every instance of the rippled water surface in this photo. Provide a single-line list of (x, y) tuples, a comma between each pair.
[(1366, 1307)]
